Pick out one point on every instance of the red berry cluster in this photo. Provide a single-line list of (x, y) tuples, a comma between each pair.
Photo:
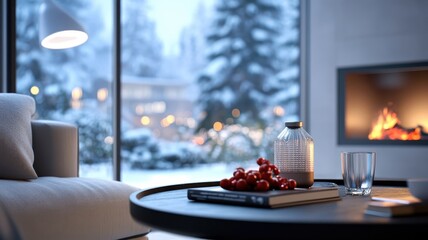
[(264, 179)]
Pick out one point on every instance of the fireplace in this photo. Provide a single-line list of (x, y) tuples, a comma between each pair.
[(383, 105)]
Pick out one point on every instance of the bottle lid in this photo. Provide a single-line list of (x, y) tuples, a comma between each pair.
[(298, 124)]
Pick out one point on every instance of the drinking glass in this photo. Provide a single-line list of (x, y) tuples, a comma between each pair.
[(358, 170)]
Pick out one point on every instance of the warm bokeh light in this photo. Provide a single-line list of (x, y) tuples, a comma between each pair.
[(108, 140), (170, 119), (102, 94), (34, 90), (198, 140), (76, 93), (76, 104), (236, 113), (278, 111), (164, 123), (145, 120), (217, 126)]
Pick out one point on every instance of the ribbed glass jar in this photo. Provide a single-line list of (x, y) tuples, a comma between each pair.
[(294, 154)]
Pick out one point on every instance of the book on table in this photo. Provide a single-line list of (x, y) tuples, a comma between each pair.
[(268, 199), (396, 206)]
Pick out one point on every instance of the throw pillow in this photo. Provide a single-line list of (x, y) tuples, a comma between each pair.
[(16, 151)]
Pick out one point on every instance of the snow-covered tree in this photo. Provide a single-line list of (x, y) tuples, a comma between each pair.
[(192, 43), (94, 132), (289, 62), (242, 63), (141, 48)]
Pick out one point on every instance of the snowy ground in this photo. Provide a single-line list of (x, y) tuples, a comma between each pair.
[(155, 178)]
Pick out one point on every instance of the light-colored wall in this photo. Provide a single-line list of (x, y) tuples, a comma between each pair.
[(345, 33)]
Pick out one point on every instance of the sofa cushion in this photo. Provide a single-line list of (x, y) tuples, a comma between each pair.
[(70, 208), (16, 152), (7, 227)]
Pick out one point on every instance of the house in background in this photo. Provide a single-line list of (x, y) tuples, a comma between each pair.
[(161, 105)]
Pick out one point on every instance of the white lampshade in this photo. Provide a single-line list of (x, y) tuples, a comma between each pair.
[(57, 29)]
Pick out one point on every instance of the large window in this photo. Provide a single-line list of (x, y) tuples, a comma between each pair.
[(71, 85), (205, 86)]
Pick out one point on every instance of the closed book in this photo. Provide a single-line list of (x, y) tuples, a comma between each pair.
[(268, 199), (404, 198), (396, 209)]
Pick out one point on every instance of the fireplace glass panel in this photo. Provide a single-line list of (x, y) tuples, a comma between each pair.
[(383, 104)]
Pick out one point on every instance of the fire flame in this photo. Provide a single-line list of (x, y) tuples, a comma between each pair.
[(388, 127)]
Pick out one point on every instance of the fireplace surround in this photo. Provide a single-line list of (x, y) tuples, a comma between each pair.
[(383, 104), (348, 34)]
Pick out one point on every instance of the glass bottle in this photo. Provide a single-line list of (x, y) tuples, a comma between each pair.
[(294, 154)]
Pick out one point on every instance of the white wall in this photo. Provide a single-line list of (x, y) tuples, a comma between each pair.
[(345, 33)]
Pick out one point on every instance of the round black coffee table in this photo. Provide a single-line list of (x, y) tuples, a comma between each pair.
[(167, 208)]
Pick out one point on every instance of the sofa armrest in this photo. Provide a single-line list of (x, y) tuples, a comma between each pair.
[(56, 148)]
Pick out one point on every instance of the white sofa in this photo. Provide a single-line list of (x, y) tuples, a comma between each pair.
[(54, 202)]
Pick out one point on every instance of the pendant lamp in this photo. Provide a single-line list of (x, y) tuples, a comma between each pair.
[(57, 29)]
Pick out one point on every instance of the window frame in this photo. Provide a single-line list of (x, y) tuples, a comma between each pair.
[(8, 46), (8, 63)]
